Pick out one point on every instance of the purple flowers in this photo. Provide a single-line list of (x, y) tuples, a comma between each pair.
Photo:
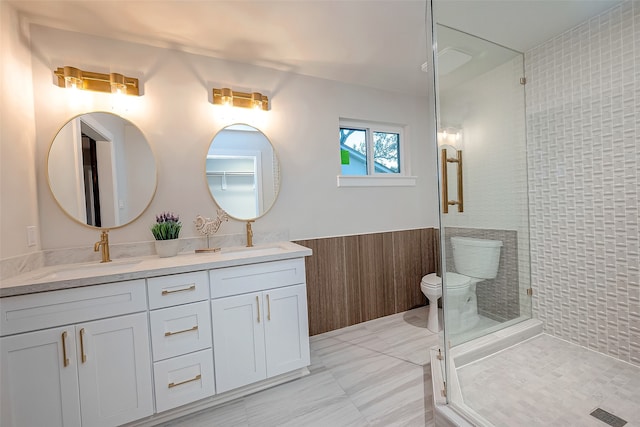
[(167, 226), (167, 216)]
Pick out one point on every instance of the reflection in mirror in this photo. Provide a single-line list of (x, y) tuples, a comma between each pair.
[(101, 170), (243, 173)]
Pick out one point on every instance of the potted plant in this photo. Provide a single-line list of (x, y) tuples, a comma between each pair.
[(166, 231)]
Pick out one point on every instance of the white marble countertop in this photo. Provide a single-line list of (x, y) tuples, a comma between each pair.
[(67, 276)]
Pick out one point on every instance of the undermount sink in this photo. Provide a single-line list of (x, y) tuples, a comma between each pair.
[(255, 250), (93, 269)]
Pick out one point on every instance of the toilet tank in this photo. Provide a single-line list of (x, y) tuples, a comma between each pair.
[(478, 258)]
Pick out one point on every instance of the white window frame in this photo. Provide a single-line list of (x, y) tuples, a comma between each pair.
[(373, 179)]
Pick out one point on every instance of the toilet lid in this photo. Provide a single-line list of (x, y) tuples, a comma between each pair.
[(454, 280)]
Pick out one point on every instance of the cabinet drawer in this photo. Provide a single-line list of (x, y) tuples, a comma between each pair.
[(179, 330), (183, 379), (48, 309), (256, 277), (177, 289)]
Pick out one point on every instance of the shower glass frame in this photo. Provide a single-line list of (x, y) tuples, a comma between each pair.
[(491, 194)]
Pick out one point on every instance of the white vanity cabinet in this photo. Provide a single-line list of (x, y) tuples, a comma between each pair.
[(260, 325), (181, 339), (60, 367), (172, 337)]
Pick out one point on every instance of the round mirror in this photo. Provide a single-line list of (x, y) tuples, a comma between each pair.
[(243, 172), (101, 170)]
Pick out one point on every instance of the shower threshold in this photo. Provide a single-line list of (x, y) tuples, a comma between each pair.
[(456, 412)]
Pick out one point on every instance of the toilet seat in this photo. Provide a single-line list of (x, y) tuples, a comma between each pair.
[(454, 281)]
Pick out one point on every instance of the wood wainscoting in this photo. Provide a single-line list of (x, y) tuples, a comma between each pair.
[(352, 279)]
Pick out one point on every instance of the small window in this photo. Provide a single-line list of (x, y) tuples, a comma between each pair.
[(370, 149)]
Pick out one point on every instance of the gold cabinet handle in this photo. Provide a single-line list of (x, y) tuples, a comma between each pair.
[(84, 356), (65, 360), (268, 308), (168, 334), (258, 305), (190, 288), (196, 378)]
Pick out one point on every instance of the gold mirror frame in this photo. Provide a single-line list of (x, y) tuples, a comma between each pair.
[(68, 178), (265, 174)]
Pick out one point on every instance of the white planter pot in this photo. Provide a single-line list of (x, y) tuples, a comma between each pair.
[(167, 248)]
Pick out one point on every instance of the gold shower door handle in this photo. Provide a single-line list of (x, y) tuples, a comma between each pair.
[(444, 161)]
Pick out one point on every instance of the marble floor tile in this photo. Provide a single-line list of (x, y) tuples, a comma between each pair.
[(228, 414), (404, 335), (371, 374), (293, 399), (545, 381)]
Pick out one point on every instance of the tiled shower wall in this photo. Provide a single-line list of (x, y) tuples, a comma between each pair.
[(583, 126)]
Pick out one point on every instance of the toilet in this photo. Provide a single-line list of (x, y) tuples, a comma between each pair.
[(475, 260)]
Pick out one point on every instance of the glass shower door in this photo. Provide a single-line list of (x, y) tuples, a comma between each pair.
[(482, 145)]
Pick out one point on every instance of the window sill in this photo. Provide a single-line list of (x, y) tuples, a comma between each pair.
[(376, 181)]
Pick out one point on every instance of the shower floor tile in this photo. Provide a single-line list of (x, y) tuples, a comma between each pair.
[(546, 381)]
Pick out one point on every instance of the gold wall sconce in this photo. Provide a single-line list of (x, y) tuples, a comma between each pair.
[(445, 181), (71, 77), (226, 96)]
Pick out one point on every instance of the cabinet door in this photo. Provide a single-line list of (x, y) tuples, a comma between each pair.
[(238, 341), (286, 329), (37, 389), (114, 370)]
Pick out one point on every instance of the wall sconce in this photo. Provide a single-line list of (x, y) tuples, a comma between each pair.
[(70, 77), (226, 96), (449, 136)]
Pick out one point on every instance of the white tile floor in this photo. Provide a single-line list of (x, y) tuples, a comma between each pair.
[(372, 374), (545, 381)]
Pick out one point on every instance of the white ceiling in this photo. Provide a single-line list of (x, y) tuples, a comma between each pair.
[(377, 43)]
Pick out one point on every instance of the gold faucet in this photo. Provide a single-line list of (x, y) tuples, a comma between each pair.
[(104, 245), (249, 234)]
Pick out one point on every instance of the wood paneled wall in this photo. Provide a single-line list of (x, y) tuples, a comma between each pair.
[(352, 279)]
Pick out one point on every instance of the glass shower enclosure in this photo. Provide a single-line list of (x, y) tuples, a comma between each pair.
[(484, 229)]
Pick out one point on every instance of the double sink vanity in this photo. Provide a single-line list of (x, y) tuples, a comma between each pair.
[(141, 341), (145, 340)]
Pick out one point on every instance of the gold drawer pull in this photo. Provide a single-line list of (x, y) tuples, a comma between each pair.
[(65, 361), (197, 377), (190, 288), (168, 334)]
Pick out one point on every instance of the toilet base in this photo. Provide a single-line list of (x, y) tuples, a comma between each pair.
[(433, 321), (434, 324)]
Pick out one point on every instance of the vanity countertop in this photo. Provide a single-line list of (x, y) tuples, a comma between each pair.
[(67, 276)]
